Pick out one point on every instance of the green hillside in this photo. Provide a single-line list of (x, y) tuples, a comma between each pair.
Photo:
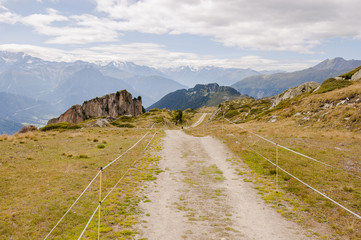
[(199, 96)]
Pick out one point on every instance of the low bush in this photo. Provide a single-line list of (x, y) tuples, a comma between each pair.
[(231, 113), (159, 119), (177, 116), (28, 128), (125, 125), (101, 146), (125, 119), (61, 125)]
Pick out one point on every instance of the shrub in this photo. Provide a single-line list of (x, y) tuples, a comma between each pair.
[(190, 110), (28, 128), (159, 120), (178, 116), (332, 84), (125, 125), (61, 125), (231, 113), (101, 146), (125, 119)]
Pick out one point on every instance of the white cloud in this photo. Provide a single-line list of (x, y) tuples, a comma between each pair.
[(263, 24), (46, 53), (154, 55), (6, 16), (282, 25), (77, 29), (41, 21)]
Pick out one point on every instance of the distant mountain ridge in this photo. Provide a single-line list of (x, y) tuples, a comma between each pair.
[(205, 75), (24, 109), (16, 110), (33, 77), (268, 85), (199, 96), (9, 126), (152, 87), (62, 84)]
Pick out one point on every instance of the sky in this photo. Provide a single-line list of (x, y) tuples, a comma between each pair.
[(284, 35)]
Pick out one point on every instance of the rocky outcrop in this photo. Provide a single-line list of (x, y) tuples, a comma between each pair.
[(356, 76), (293, 92), (112, 105)]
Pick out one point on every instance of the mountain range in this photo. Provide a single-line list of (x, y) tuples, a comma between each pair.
[(204, 75), (63, 84)]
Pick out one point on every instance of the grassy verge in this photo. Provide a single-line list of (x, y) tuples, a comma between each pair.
[(294, 200), (44, 172)]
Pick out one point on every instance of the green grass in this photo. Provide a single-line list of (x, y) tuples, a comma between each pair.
[(125, 125), (351, 73), (60, 126), (44, 172), (231, 113), (321, 144), (332, 84)]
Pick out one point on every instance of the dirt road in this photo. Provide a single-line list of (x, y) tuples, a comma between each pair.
[(200, 196)]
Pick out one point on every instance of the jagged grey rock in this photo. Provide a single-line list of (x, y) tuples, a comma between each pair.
[(293, 92), (356, 76), (112, 105)]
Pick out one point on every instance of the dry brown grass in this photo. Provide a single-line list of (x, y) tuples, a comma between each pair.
[(339, 148), (43, 173)]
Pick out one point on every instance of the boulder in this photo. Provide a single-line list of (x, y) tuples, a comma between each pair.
[(293, 92), (356, 76)]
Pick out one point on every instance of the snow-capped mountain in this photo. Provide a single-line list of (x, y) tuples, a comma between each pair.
[(191, 76)]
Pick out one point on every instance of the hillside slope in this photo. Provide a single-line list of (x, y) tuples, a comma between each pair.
[(268, 85), (335, 104), (9, 126), (21, 109)]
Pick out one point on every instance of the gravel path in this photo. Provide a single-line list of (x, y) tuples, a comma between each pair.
[(199, 196)]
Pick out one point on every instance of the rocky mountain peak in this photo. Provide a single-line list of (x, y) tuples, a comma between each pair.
[(112, 105), (337, 63), (212, 87)]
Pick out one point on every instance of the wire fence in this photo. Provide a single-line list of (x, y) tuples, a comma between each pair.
[(278, 167), (99, 174)]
